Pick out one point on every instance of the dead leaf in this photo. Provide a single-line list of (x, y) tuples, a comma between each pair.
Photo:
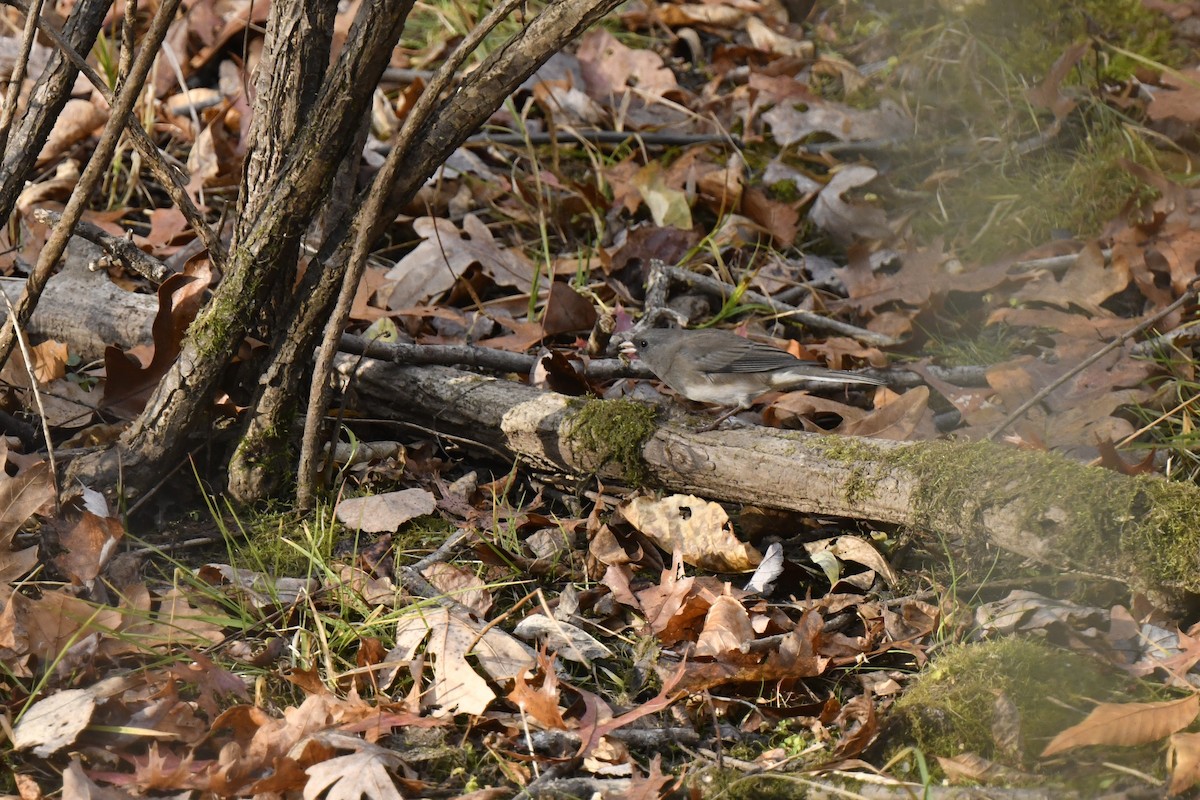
[(445, 253), (54, 722), (362, 774), (59, 187), (1049, 94), (1183, 761), (76, 122), (843, 220), (897, 420), (713, 15), (610, 68), (726, 629), (569, 641), (90, 543), (386, 512), (456, 686), (1178, 97), (846, 123), (669, 207), (769, 41), (541, 703), (20, 498), (567, 311), (852, 548), (461, 586), (129, 383), (1127, 724), (779, 220), (698, 529), (1087, 283), (49, 361)]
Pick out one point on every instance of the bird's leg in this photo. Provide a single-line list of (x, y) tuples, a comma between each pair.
[(713, 425)]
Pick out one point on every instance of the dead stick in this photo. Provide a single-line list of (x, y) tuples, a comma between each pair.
[(1188, 295), (93, 173)]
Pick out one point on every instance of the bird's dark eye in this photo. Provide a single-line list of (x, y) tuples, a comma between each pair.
[(642, 343)]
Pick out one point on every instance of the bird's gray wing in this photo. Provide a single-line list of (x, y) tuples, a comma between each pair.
[(747, 356)]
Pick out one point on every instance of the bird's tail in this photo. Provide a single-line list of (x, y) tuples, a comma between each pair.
[(791, 379)]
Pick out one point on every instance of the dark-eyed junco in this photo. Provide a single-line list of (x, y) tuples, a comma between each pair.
[(720, 367)]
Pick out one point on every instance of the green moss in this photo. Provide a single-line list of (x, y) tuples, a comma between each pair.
[(732, 784), (993, 344), (784, 191), (1006, 201), (949, 709), (1085, 518), (1031, 34), (612, 431), (861, 484), (1165, 542), (1008, 176)]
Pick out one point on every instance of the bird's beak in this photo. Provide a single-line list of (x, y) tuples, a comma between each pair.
[(627, 348)]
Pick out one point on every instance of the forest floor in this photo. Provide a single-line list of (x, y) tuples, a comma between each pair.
[(967, 200)]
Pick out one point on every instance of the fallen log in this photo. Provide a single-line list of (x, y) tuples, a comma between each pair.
[(1040, 506), (84, 309)]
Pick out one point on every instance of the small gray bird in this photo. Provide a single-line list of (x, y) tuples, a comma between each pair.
[(720, 367)]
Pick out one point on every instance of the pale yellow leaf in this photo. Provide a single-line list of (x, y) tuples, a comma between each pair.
[(699, 530)]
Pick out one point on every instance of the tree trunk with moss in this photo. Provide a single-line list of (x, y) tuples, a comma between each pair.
[(306, 117)]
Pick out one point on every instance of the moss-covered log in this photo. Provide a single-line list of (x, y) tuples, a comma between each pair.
[(1037, 505)]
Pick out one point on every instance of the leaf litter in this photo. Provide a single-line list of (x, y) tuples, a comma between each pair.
[(494, 248)]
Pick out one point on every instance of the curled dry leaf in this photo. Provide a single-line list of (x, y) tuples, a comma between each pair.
[(852, 548), (843, 220), (66, 175), (768, 40), (727, 629), (1183, 761), (698, 529)]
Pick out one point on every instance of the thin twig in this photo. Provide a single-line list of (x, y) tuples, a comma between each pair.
[(37, 395), (648, 138), (1188, 296), (153, 490), (783, 311), (443, 553), (366, 226), (18, 74), (93, 173), (128, 36), (118, 247), (156, 160)]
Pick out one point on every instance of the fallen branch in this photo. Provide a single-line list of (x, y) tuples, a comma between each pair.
[(1038, 505)]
